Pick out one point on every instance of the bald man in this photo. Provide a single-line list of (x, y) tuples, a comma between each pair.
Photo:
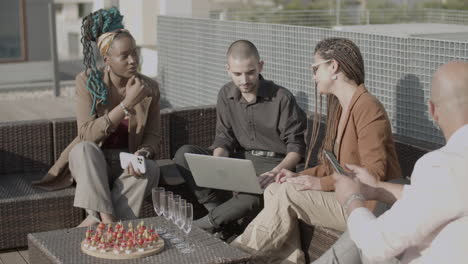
[(428, 222), (257, 120)]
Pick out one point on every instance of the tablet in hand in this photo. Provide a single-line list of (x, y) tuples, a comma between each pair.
[(334, 162)]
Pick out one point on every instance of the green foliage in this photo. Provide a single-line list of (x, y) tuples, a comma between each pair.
[(294, 5), (382, 4), (311, 5), (450, 4), (320, 5)]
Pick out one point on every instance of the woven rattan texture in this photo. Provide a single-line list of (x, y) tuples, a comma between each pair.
[(36, 255), (322, 240), (25, 146), (164, 147), (63, 246), (24, 209), (407, 156), (64, 132), (193, 126)]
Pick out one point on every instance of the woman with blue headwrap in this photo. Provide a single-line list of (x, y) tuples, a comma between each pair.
[(117, 111)]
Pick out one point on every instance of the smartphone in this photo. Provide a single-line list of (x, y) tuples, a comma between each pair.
[(334, 162), (138, 162)]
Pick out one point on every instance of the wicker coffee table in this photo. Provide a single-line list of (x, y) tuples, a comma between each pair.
[(63, 246)]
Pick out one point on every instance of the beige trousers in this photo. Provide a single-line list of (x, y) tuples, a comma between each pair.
[(273, 236), (103, 187)]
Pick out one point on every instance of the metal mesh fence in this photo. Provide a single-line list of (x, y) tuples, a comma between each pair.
[(446, 16), (398, 70), (355, 16)]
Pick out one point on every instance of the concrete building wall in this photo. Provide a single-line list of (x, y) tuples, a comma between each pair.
[(37, 29), (140, 19)]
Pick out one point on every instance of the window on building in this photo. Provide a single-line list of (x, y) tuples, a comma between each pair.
[(74, 44), (12, 31), (84, 9)]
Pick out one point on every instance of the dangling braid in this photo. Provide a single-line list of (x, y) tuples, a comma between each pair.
[(315, 127), (350, 62), (93, 26)]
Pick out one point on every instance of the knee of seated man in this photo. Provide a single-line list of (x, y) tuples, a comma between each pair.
[(251, 201), (152, 169), (152, 173), (179, 155)]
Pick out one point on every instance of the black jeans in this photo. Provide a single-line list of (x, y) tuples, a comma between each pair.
[(232, 207)]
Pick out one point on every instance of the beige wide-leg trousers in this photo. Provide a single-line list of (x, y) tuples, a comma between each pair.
[(103, 187), (273, 236)]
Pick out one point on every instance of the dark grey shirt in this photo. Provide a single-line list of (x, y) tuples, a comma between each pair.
[(272, 122)]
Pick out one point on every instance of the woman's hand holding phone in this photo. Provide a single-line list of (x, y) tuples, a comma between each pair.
[(133, 164)]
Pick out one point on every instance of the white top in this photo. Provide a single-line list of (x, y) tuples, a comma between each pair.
[(429, 223)]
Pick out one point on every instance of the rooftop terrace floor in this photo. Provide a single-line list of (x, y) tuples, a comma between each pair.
[(437, 31), (36, 108), (14, 256)]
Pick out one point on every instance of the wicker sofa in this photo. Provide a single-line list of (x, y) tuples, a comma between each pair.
[(29, 148)]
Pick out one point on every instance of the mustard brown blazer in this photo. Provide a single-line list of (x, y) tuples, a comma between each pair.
[(366, 140), (144, 127)]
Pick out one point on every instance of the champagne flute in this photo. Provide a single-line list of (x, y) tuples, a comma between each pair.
[(177, 202), (168, 213), (163, 203), (187, 228), (167, 195), (181, 214), (181, 220), (157, 205)]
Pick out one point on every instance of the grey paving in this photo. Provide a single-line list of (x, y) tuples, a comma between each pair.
[(36, 108), (425, 30)]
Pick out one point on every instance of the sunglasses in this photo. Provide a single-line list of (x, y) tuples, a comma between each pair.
[(316, 66)]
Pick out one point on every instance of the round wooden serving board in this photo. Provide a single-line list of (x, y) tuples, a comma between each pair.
[(158, 247)]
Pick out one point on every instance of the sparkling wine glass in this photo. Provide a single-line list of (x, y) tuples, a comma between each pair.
[(187, 228), (157, 205), (181, 220), (174, 202), (168, 213), (175, 206), (181, 214)]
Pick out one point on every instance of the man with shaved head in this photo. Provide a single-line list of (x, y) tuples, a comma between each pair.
[(428, 222), (257, 120)]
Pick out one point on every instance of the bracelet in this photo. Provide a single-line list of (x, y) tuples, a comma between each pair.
[(353, 197), (145, 153), (125, 109)]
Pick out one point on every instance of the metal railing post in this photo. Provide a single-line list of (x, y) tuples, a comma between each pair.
[(53, 49), (338, 2)]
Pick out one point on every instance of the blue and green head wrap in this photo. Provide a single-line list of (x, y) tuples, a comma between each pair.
[(94, 25)]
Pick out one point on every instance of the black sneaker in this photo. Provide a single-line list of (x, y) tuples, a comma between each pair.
[(226, 236)]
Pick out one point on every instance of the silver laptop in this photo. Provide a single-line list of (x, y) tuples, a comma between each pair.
[(223, 173)]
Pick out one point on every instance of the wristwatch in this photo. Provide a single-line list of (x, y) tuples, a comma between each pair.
[(351, 198)]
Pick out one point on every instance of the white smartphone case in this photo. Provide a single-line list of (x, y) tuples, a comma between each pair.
[(138, 162)]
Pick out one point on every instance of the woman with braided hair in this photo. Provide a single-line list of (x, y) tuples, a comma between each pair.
[(117, 110), (357, 131)]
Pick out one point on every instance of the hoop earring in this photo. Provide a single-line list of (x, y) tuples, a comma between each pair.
[(334, 77)]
